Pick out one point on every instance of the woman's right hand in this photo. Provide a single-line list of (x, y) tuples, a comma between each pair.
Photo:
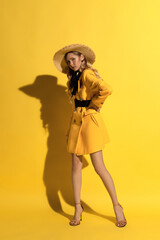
[(93, 106)]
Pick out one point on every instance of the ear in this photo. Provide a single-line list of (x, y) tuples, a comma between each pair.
[(82, 57)]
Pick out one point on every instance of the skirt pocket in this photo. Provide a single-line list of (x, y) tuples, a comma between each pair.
[(94, 119)]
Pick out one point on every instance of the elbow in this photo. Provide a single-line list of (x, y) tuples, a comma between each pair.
[(109, 90)]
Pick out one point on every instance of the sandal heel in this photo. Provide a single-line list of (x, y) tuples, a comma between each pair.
[(75, 222), (121, 223)]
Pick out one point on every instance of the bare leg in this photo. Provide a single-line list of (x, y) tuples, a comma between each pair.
[(99, 166), (76, 183)]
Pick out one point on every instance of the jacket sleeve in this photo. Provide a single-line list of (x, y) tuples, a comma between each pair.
[(101, 90)]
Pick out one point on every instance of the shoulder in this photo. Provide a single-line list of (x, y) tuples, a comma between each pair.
[(88, 71)]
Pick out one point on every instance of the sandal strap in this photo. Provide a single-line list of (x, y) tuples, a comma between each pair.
[(80, 204), (118, 205)]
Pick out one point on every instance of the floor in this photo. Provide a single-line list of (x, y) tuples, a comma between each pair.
[(27, 217)]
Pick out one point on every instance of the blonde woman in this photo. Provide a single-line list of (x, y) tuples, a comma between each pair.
[(87, 133)]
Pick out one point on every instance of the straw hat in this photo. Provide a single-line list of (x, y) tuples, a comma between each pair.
[(60, 62)]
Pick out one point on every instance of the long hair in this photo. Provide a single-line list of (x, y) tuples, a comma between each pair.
[(84, 65)]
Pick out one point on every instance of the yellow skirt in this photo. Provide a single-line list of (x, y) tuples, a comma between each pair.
[(87, 133)]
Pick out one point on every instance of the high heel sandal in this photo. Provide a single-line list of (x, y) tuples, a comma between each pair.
[(120, 223), (75, 222)]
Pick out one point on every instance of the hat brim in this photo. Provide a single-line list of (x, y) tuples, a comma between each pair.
[(60, 62)]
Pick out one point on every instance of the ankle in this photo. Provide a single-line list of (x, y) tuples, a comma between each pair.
[(116, 204), (77, 206)]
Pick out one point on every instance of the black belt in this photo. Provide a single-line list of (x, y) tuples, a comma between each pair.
[(82, 103)]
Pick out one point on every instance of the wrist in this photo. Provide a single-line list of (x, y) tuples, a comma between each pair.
[(93, 106)]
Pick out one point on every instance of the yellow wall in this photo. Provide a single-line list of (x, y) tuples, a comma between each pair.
[(125, 37)]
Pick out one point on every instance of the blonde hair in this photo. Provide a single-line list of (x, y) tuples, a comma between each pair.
[(84, 65)]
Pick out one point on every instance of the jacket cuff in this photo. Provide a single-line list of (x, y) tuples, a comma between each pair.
[(92, 105)]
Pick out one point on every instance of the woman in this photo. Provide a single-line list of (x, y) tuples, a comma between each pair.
[(87, 133)]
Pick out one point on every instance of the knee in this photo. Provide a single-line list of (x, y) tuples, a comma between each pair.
[(101, 171), (76, 163), (98, 171)]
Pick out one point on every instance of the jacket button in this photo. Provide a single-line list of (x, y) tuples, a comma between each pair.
[(74, 120), (81, 121)]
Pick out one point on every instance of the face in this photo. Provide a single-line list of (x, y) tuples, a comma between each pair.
[(74, 61)]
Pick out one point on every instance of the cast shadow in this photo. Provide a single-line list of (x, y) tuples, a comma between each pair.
[(55, 114)]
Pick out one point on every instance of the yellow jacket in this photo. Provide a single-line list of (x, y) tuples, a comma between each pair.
[(87, 132)]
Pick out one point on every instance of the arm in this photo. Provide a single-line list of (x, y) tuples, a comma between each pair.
[(99, 87)]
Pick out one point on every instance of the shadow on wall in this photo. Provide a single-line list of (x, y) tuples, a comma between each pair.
[(55, 114)]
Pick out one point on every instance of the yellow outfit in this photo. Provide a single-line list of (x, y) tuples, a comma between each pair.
[(87, 132)]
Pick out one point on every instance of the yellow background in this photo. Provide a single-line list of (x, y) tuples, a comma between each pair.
[(35, 169)]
